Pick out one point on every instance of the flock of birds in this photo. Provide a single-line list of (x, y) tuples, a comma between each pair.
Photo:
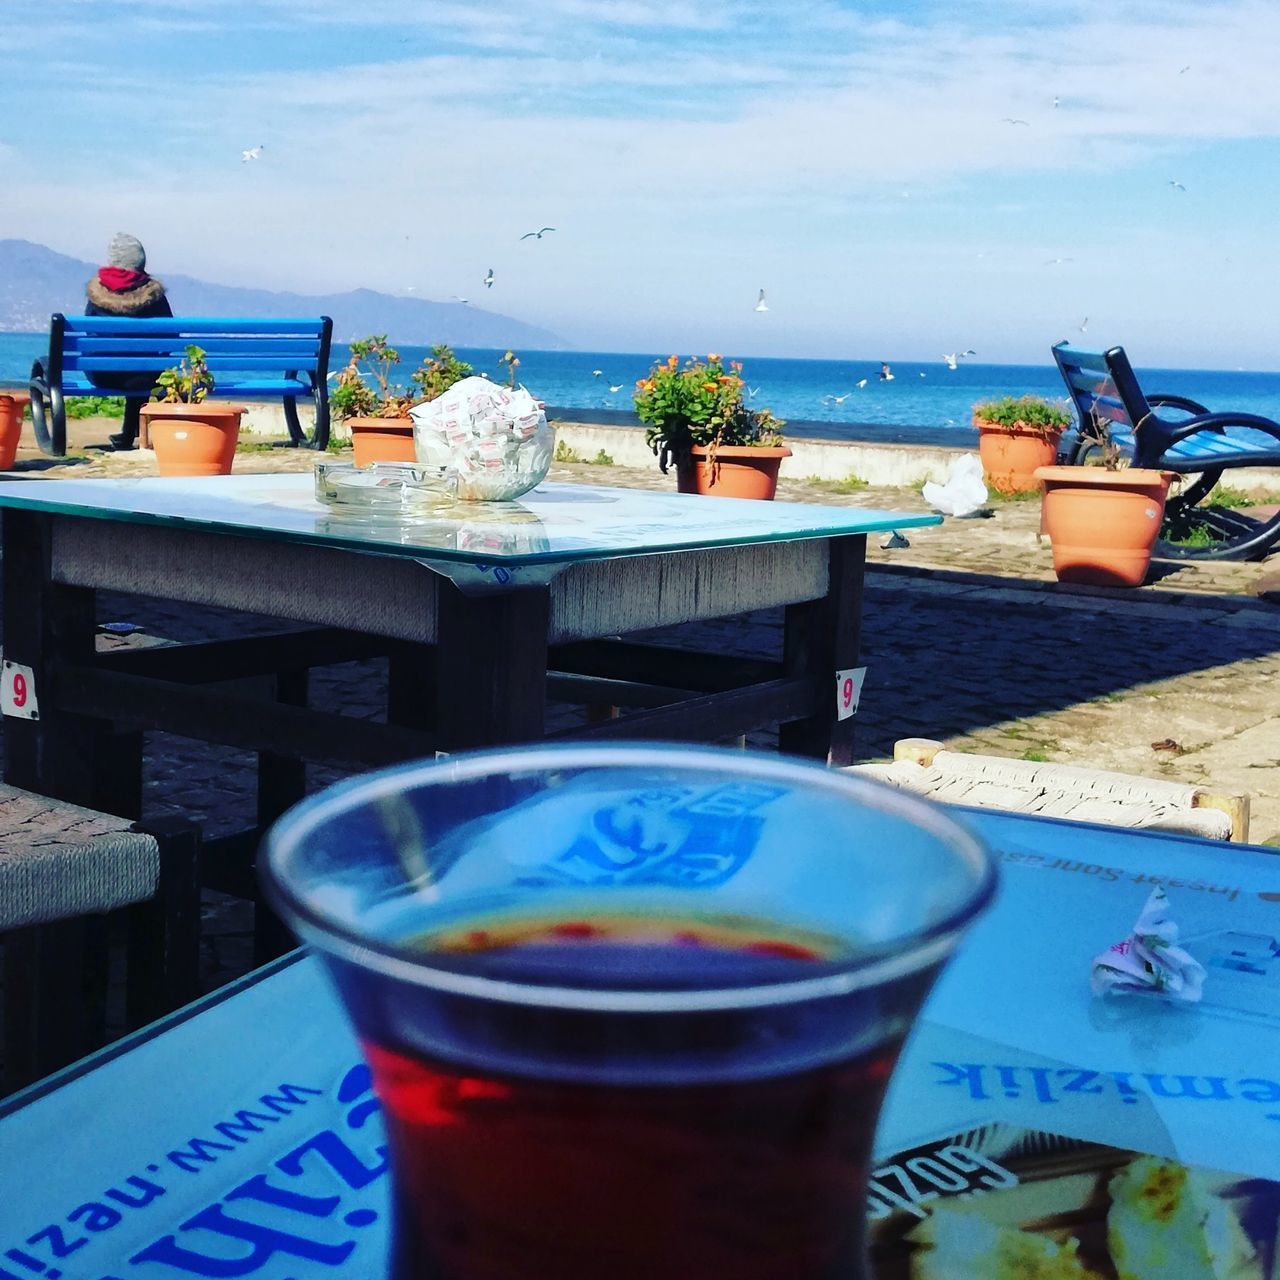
[(886, 373)]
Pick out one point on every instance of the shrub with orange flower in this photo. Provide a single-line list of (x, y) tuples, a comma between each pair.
[(700, 403)]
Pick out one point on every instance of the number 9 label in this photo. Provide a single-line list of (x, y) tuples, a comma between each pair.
[(18, 691), (849, 691)]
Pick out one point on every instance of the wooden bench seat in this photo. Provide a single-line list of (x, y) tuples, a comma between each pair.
[(250, 360)]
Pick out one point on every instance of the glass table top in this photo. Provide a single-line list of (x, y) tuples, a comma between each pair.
[(554, 524)]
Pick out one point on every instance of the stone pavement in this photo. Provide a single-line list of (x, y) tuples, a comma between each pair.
[(966, 636)]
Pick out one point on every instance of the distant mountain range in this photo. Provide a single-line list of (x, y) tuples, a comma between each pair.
[(35, 281)]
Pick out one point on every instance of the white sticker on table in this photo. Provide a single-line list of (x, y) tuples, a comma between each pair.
[(848, 691), (18, 691)]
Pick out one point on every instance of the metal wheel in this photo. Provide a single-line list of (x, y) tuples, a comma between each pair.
[(43, 412), (1198, 532)]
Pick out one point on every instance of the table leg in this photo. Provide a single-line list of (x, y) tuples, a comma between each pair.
[(411, 694), (59, 754), (282, 782), (820, 638), (491, 667)]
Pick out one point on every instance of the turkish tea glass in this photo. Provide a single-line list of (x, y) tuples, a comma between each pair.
[(630, 1010)]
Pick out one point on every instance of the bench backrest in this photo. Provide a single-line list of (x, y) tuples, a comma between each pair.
[(119, 344), (1102, 384)]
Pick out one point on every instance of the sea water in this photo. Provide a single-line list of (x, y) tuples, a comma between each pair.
[(924, 401)]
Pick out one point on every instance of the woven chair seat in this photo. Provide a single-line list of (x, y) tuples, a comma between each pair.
[(59, 861), (1054, 790)]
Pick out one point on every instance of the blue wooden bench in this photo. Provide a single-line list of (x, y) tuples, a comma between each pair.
[(1194, 443), (249, 360)]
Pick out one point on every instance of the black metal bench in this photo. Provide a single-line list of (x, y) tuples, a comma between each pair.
[(249, 360), (1197, 445)]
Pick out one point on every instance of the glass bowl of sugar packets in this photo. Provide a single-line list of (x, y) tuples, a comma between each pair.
[(492, 442), (479, 442)]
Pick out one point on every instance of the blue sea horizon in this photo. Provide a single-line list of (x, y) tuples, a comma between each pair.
[(924, 402)]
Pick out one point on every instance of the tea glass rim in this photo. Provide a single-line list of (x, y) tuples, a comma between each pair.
[(900, 957)]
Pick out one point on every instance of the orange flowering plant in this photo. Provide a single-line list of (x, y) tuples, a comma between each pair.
[(700, 403)]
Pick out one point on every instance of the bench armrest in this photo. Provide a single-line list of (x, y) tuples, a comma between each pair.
[(1176, 402)]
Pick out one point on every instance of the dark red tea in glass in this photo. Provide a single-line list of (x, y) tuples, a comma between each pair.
[(630, 1011)]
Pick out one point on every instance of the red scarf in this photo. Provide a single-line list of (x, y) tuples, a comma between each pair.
[(121, 279)]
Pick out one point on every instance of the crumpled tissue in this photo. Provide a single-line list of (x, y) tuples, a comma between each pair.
[(491, 442), (964, 492), (1149, 959)]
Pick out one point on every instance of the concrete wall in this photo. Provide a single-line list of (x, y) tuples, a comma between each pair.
[(900, 465)]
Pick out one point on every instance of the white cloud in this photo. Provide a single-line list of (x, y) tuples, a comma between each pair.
[(690, 155)]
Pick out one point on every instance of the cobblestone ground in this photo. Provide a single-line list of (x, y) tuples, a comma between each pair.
[(966, 636)]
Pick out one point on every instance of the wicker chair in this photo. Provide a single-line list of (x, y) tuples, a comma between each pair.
[(923, 766), (64, 871)]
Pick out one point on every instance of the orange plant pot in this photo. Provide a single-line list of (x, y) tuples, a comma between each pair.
[(193, 439), (739, 471), (1010, 456), (12, 403), (382, 440), (1103, 524)]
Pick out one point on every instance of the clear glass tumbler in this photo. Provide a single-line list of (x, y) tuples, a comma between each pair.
[(630, 1010)]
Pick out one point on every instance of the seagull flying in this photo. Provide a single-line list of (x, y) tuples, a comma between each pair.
[(613, 389), (751, 392), (862, 382), (761, 305), (456, 298), (536, 235), (836, 399), (488, 280), (254, 153), (1177, 186), (1053, 262), (970, 352), (1055, 100), (595, 373), (1011, 120), (1183, 70), (1084, 324), (951, 361), (886, 374)]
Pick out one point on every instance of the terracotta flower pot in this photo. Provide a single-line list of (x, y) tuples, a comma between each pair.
[(12, 403), (382, 440), (739, 471), (193, 439), (1011, 455), (1103, 524)]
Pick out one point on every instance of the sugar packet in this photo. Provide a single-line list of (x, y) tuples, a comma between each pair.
[(1149, 959)]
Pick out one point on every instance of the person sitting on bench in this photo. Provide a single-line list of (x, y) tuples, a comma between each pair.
[(123, 288)]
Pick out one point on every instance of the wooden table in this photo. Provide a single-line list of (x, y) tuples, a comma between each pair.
[(253, 1106), (487, 611)]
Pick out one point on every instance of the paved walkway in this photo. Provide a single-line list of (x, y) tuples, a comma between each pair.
[(966, 636)]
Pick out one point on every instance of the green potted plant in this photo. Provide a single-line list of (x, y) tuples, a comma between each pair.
[(13, 404), (696, 417), (1017, 434), (192, 435), (375, 409), (1103, 519)]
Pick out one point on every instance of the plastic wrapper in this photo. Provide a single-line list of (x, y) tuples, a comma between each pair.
[(964, 492), (490, 443), (1149, 959)]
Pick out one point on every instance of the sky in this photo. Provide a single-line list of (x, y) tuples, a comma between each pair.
[(863, 163)]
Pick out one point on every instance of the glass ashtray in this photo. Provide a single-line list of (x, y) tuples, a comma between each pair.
[(384, 486)]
